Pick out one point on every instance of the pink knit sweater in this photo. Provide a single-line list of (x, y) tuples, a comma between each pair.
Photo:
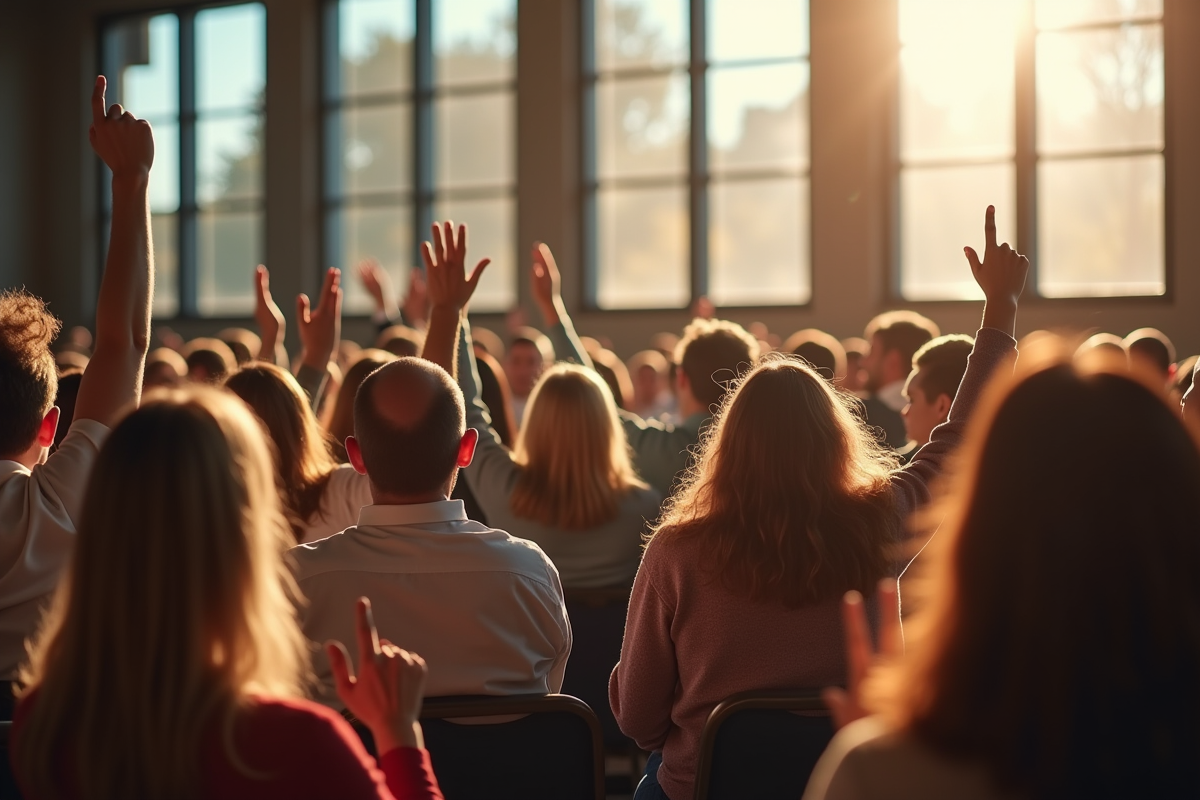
[(689, 643)]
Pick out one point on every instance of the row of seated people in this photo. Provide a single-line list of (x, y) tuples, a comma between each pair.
[(181, 608)]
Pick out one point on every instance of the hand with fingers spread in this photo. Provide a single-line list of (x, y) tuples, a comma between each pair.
[(386, 693), (268, 316), (376, 281), (321, 328), (124, 142), (1001, 274), (445, 268), (546, 283), (846, 704)]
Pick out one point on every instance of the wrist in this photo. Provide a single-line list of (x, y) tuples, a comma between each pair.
[(390, 737), (314, 360), (131, 182)]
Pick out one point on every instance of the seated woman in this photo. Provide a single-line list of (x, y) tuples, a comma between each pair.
[(1055, 650), (320, 498), (569, 484), (792, 503), (170, 663)]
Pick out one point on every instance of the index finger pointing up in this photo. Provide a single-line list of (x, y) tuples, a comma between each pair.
[(98, 100), (989, 227), (368, 637)]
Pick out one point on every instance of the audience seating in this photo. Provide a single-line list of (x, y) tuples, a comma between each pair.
[(753, 745), (552, 749), (597, 628), (8, 782)]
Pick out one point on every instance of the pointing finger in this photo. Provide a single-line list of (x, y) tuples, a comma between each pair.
[(339, 664), (989, 227), (98, 99), (368, 637)]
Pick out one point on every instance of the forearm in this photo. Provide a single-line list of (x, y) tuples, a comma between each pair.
[(567, 346), (1000, 315), (441, 340), (123, 306)]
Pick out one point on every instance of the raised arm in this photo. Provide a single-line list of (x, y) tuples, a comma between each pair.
[(449, 291), (546, 283), (113, 379), (270, 320), (1001, 274)]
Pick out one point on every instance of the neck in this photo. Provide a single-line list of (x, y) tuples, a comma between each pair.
[(30, 458), (382, 498)]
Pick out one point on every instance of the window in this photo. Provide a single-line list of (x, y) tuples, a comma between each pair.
[(199, 77), (420, 126), (1051, 110), (696, 173)]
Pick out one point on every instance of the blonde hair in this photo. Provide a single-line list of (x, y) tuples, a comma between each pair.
[(175, 610), (574, 457)]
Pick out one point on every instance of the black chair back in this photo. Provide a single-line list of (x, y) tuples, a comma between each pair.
[(597, 628), (753, 745)]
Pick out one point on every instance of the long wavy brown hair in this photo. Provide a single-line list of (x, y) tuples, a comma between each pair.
[(789, 492), (176, 610), (1057, 633)]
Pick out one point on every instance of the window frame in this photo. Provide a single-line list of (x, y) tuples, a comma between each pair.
[(1026, 159), (424, 193), (187, 238), (698, 178)]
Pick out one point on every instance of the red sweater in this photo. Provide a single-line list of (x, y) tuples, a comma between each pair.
[(308, 751), (689, 643)]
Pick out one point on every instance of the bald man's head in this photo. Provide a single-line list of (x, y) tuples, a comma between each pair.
[(409, 421)]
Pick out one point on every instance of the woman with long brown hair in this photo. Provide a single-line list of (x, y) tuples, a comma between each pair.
[(792, 502), (320, 498), (569, 484), (171, 664), (1055, 647)]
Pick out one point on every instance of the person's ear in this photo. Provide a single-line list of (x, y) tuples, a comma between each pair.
[(466, 448), (354, 453), (49, 426), (942, 406)]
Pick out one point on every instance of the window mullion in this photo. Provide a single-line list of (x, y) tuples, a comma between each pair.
[(698, 152), (1025, 119), (424, 142), (188, 240)]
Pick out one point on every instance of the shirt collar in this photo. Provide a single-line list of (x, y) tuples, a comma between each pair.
[(892, 395), (415, 514)]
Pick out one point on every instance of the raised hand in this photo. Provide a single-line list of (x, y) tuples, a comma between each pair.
[(124, 142), (321, 328), (546, 282), (1001, 274), (846, 704), (376, 281), (386, 694), (445, 268), (270, 320)]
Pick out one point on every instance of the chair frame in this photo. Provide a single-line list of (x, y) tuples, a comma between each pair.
[(468, 706), (768, 699)]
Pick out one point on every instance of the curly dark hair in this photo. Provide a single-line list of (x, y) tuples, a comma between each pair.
[(28, 379)]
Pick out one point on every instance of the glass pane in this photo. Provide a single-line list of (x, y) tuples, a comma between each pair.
[(1100, 225), (642, 248), (639, 33), (491, 225), (474, 41), (758, 117), (764, 224), (642, 126), (943, 212), (376, 149), (736, 29), (228, 247), (228, 158), (1056, 13), (141, 62), (384, 234), (956, 79), (375, 41), (231, 56), (165, 230), (164, 174), (474, 140), (1100, 89)]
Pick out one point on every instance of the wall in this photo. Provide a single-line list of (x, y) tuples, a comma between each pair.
[(47, 175)]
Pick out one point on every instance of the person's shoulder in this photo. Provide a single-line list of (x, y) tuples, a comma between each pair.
[(644, 501), (323, 555), (293, 719), (519, 555)]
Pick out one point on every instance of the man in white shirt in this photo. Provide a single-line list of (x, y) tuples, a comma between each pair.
[(895, 337), (483, 608), (41, 497)]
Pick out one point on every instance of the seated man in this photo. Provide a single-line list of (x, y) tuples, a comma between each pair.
[(484, 609), (938, 368), (41, 495), (895, 338), (528, 356)]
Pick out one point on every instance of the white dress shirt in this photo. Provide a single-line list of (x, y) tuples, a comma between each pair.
[(39, 512), (483, 608), (345, 495)]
